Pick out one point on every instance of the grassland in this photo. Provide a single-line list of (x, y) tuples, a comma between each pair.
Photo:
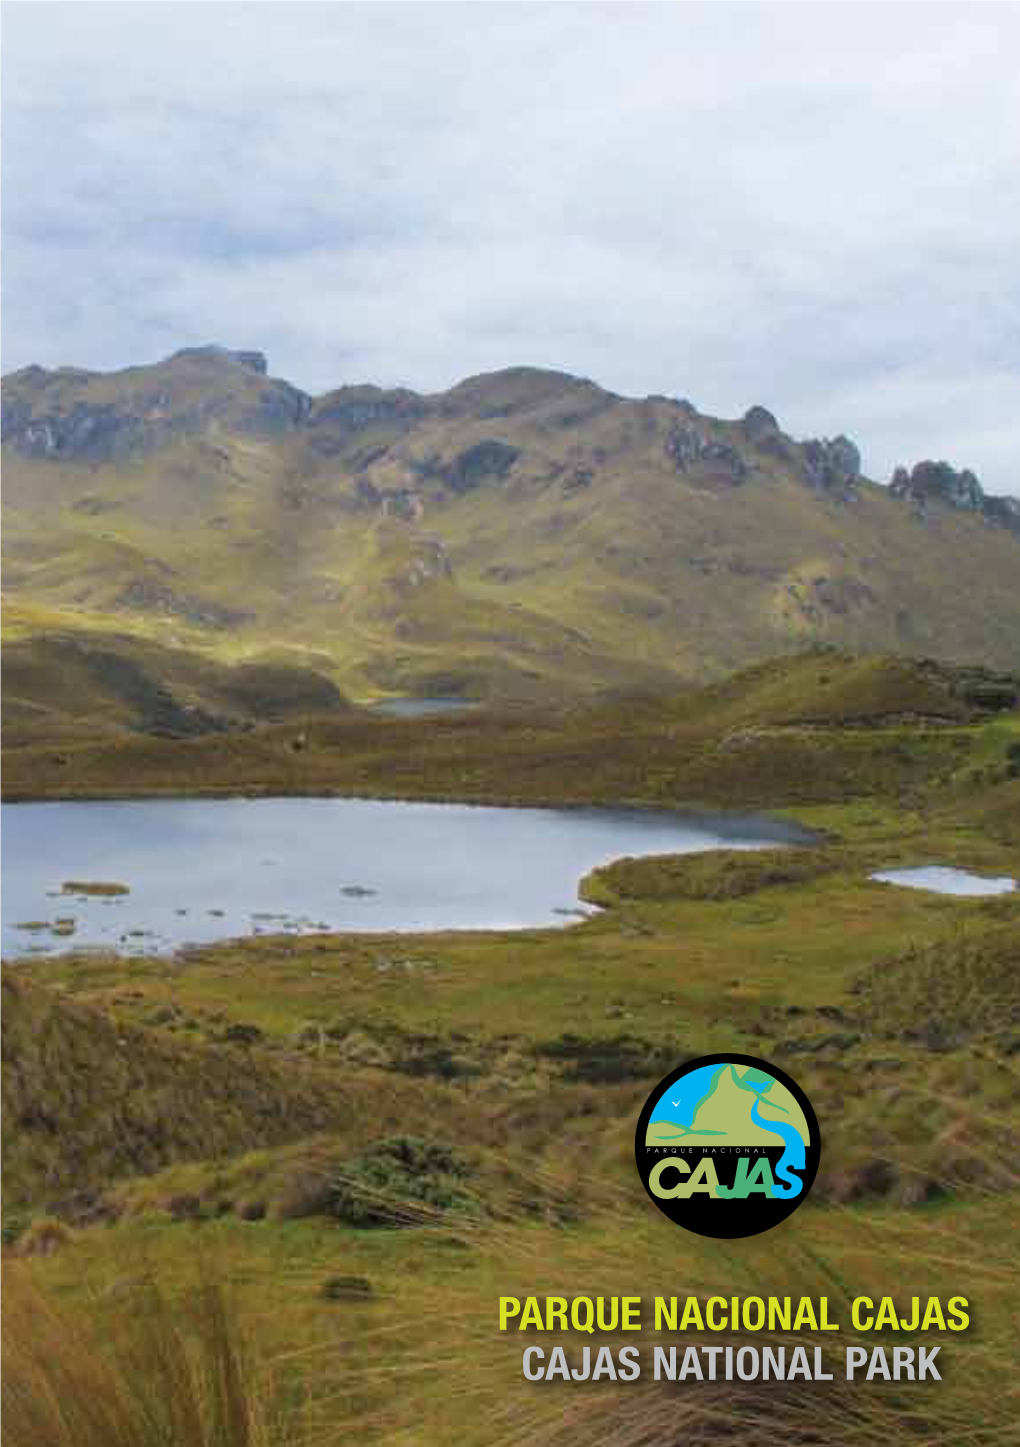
[(365, 1140), (821, 727)]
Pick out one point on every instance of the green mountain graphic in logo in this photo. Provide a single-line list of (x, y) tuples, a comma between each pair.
[(732, 1105)]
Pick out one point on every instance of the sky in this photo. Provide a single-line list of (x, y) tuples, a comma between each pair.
[(814, 208)]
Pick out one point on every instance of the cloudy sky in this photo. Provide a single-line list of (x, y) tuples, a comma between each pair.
[(815, 208)]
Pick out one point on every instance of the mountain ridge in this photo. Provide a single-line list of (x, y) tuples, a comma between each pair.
[(525, 533), (352, 406)]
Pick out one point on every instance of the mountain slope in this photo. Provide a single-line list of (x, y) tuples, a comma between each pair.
[(524, 534)]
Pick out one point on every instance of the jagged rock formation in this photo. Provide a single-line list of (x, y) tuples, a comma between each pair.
[(77, 415), (758, 423), (937, 482), (834, 463), (688, 447)]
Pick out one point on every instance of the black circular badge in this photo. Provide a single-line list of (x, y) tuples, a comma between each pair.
[(727, 1146)]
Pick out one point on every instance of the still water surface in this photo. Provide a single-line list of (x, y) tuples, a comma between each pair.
[(944, 879), (200, 870)]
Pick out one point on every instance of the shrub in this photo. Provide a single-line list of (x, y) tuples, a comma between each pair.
[(401, 1180)]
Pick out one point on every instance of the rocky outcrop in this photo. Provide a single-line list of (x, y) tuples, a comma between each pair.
[(256, 362), (689, 449), (91, 433), (486, 461), (429, 562), (67, 414), (142, 595), (984, 690), (758, 423), (939, 483), (1004, 510), (833, 464)]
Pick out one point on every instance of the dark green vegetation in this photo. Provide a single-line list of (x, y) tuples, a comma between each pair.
[(526, 535), (373, 1137)]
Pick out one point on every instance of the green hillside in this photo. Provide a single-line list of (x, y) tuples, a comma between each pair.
[(817, 727), (524, 535), (74, 683)]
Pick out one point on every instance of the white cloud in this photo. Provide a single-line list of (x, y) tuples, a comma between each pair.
[(811, 207)]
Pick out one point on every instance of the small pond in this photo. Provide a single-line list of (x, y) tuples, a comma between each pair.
[(943, 879), (423, 707)]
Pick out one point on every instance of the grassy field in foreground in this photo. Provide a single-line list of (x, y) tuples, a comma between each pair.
[(338, 1152)]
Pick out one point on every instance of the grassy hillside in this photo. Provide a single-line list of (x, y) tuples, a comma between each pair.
[(75, 683), (820, 727), (87, 1099), (524, 535)]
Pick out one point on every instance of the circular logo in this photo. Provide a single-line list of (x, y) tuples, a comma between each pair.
[(727, 1146)]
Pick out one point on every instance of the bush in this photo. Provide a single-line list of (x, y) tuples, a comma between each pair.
[(401, 1180)]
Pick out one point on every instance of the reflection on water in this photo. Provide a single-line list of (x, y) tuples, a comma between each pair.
[(199, 870)]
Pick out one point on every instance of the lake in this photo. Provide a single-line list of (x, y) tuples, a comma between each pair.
[(200, 870)]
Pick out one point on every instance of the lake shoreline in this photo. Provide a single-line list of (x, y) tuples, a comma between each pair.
[(199, 871), (701, 808)]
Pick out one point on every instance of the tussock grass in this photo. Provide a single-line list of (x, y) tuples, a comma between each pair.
[(960, 988), (395, 1340), (164, 1373), (470, 1374), (87, 1098)]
